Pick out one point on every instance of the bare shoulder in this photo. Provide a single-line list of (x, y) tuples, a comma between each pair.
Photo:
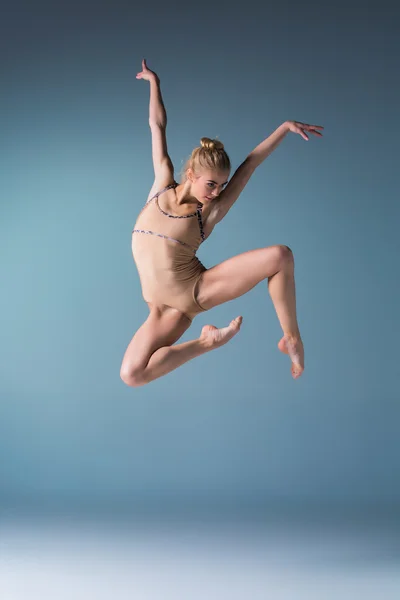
[(164, 177)]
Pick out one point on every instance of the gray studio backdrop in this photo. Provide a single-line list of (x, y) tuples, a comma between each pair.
[(230, 427)]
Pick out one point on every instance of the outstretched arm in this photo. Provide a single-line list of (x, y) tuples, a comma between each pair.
[(242, 175), (260, 153), (163, 168)]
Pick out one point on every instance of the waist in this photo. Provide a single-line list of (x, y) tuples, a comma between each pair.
[(167, 270)]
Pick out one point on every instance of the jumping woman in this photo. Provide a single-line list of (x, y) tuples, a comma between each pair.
[(175, 220)]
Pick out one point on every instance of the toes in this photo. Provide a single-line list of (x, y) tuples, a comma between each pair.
[(296, 371)]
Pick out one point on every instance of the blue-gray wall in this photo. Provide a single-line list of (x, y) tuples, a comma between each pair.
[(76, 169)]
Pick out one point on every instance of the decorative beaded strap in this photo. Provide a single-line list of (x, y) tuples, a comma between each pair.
[(166, 237), (200, 221), (171, 185), (198, 213)]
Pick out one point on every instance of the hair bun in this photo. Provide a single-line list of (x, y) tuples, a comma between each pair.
[(210, 144)]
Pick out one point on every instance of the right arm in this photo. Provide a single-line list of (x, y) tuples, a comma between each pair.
[(163, 167)]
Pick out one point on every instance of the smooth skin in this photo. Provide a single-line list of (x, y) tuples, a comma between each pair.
[(151, 352)]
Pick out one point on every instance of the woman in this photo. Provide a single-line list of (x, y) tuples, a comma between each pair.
[(176, 286)]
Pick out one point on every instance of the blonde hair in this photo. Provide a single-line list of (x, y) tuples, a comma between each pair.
[(209, 155)]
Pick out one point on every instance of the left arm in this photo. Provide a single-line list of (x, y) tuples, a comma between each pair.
[(242, 175), (260, 153)]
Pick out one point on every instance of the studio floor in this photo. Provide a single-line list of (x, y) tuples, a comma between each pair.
[(72, 558)]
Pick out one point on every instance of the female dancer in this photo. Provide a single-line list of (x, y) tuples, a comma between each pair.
[(176, 286)]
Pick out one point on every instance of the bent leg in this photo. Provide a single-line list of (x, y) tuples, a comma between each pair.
[(151, 355), (239, 274), (161, 329)]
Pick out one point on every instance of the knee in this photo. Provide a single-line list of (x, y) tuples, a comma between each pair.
[(131, 377), (285, 254)]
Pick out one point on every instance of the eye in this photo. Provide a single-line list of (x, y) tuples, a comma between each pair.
[(210, 184)]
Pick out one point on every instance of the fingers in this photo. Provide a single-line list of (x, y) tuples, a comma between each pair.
[(303, 134), (301, 128), (307, 125), (144, 69), (313, 128)]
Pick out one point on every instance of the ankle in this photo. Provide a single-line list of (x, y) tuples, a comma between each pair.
[(205, 344), (293, 334)]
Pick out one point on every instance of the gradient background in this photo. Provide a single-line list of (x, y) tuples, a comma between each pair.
[(231, 429)]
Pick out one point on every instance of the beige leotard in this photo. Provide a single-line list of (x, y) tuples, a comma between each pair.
[(164, 249)]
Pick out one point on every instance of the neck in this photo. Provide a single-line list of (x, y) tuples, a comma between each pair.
[(183, 193)]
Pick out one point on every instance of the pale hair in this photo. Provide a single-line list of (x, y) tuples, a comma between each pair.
[(209, 155)]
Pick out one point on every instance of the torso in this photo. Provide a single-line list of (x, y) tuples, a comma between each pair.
[(169, 270)]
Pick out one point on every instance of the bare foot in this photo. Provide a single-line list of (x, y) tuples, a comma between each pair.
[(212, 337), (293, 346)]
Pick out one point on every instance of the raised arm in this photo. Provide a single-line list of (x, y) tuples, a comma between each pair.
[(163, 167), (242, 175)]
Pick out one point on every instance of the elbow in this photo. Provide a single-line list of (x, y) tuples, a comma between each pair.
[(158, 123), (251, 163)]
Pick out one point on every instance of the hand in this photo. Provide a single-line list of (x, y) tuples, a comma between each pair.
[(301, 128), (146, 73)]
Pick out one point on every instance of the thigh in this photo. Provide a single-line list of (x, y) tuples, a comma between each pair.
[(238, 275), (163, 327)]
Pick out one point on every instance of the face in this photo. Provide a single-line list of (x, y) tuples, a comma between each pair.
[(208, 185)]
